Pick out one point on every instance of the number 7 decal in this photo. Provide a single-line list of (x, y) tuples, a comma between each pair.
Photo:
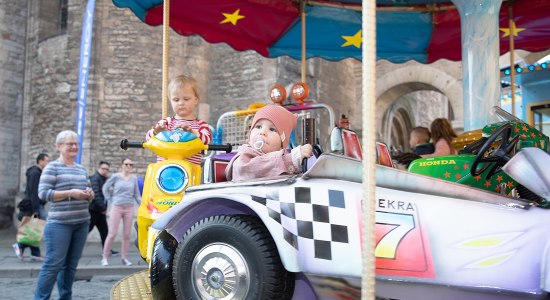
[(387, 246)]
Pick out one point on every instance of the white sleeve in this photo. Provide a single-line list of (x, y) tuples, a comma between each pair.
[(296, 157)]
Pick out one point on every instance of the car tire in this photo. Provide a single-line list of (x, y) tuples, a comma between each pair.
[(164, 249), (230, 257)]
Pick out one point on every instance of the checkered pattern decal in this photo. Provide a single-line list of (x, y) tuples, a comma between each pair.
[(301, 218)]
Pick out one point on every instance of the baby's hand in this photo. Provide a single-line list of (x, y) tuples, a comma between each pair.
[(306, 150)]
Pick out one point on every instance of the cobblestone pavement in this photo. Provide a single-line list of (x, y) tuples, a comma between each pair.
[(18, 278), (97, 288)]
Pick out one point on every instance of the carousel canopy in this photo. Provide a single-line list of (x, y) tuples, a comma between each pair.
[(421, 30)]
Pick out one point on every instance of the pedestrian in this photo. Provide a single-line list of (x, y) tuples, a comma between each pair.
[(98, 206), (184, 97), (121, 190), (64, 184), (264, 154), (32, 205)]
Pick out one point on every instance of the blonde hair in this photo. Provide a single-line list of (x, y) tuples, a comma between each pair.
[(181, 80)]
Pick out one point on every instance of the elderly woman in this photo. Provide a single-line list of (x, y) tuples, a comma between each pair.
[(64, 184)]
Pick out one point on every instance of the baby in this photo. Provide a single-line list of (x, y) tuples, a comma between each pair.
[(265, 155), (184, 98)]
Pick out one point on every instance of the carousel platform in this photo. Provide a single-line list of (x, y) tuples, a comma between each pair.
[(136, 286)]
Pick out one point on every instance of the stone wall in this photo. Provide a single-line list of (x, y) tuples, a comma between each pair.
[(48, 107), (12, 59)]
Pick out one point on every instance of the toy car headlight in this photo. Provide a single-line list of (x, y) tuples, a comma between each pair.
[(277, 94), (172, 179), (299, 92)]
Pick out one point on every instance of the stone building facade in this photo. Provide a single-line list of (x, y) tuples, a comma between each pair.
[(13, 16), (40, 56)]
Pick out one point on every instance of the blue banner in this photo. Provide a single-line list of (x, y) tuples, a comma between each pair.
[(83, 71)]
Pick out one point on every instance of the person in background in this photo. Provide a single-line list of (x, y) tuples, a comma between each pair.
[(64, 183), (32, 204), (98, 206), (442, 136), (420, 141), (184, 98), (264, 155), (125, 192)]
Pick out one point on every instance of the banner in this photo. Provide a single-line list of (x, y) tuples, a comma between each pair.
[(83, 71)]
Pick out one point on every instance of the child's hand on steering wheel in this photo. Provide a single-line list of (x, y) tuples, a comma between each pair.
[(160, 126), (189, 129)]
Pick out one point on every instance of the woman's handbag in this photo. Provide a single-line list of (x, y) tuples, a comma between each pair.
[(30, 231)]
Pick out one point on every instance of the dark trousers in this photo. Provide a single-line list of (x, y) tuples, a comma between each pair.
[(99, 220), (35, 251)]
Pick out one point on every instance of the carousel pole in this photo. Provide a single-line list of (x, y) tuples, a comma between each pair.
[(368, 208), (512, 26), (165, 44), (303, 18)]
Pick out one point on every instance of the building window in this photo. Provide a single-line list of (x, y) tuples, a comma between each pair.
[(63, 14), (53, 18)]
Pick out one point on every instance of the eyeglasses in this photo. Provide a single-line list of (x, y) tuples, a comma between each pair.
[(71, 144), (129, 165)]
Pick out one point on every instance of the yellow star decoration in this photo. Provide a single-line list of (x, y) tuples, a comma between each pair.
[(232, 18), (514, 30), (354, 40)]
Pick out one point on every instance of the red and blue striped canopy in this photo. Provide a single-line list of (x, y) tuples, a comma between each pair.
[(333, 28)]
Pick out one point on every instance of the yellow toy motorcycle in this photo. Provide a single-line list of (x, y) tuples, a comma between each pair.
[(166, 181)]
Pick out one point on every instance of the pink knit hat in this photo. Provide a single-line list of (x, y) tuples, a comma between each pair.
[(283, 120)]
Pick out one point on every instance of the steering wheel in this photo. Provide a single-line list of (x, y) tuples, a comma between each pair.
[(498, 157), (316, 152)]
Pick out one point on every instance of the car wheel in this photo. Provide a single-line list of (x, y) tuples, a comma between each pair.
[(164, 250), (230, 257)]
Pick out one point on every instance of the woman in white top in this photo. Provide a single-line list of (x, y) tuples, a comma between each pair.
[(121, 191)]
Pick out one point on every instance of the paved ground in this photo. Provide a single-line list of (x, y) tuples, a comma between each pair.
[(18, 278)]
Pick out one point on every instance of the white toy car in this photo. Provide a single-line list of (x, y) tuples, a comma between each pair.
[(299, 237)]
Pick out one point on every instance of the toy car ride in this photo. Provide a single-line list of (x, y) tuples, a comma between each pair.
[(299, 237)]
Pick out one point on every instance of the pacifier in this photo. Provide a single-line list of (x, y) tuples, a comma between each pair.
[(258, 144)]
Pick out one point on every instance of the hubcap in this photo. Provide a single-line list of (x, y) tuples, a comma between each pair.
[(220, 272)]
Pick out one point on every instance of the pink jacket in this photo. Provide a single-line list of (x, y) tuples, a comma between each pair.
[(250, 163)]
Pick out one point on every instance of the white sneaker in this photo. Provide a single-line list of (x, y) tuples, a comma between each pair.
[(104, 262), (126, 262), (17, 251)]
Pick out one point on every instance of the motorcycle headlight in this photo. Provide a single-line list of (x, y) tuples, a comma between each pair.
[(172, 179)]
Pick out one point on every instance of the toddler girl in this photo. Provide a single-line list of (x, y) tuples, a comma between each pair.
[(184, 98)]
